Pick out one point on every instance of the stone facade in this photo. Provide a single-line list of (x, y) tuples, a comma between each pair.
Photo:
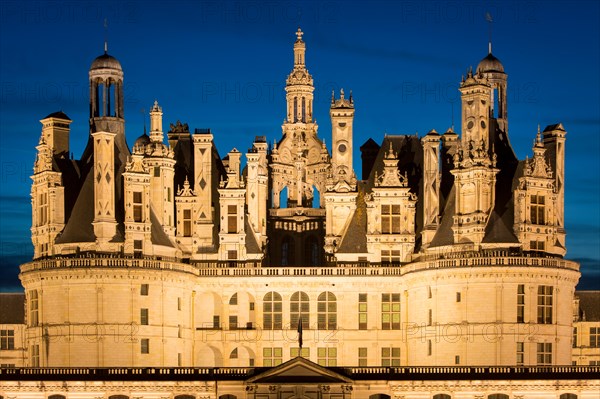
[(169, 255)]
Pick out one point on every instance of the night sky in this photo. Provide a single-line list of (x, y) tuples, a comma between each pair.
[(223, 65)]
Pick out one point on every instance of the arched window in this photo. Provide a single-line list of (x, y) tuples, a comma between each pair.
[(234, 299), (568, 396), (498, 396), (118, 397), (379, 396), (327, 311), (441, 396), (57, 397), (184, 397), (234, 354), (272, 311), (227, 396), (299, 306)]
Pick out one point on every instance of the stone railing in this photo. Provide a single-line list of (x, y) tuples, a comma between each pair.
[(356, 373), (249, 269)]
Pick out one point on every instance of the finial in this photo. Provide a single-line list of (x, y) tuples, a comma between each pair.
[(299, 34), (351, 101), (341, 93), (105, 36), (488, 17), (332, 96)]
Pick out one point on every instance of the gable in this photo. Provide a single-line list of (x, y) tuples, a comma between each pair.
[(297, 370)]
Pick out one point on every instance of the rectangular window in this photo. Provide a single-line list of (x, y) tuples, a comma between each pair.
[(178, 303), (458, 297), (272, 357), (390, 219), (145, 345), (594, 337), (537, 206), (390, 311), (233, 322), (35, 356), (574, 337), (168, 194), (390, 357), (544, 353), (232, 219), (535, 245), (362, 357), (456, 359), (544, 305), (390, 256), (179, 360), (187, 222), (429, 348), (137, 206), (430, 318), (521, 303), (144, 317), (33, 308), (144, 288), (520, 353), (362, 311), (251, 305), (7, 340), (232, 255), (327, 357), (217, 322), (305, 352), (43, 209)]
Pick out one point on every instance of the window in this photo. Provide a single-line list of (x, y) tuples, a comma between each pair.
[(456, 359), (429, 292), (272, 311), (327, 357), (442, 396), (537, 209), (144, 316), (520, 353), (232, 219), (33, 308), (232, 254), (390, 311), (390, 219), (429, 348), (568, 396), (326, 311), (179, 332), (35, 356), (544, 308), (43, 209), (137, 206), (544, 353), (521, 303), (233, 322), (498, 396), (157, 171), (7, 339), (390, 256), (272, 357), (458, 297), (216, 321), (362, 357), (535, 245), (138, 247), (362, 311), (251, 306), (430, 318), (594, 337), (187, 222), (390, 357), (178, 303), (233, 354), (305, 352), (234, 299), (179, 360), (145, 345), (574, 337), (144, 288), (299, 307)]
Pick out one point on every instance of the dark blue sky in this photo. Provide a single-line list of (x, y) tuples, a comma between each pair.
[(223, 65)]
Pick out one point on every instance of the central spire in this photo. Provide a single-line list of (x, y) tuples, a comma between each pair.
[(299, 86), (299, 49)]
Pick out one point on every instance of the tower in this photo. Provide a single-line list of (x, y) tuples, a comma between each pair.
[(342, 117)]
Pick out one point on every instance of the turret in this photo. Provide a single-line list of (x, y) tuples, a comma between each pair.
[(342, 118)]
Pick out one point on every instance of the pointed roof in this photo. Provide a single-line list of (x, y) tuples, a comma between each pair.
[(298, 370)]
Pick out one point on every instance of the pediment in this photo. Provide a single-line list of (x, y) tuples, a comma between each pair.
[(298, 369)]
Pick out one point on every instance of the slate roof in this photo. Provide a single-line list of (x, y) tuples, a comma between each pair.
[(12, 308), (58, 115), (589, 305)]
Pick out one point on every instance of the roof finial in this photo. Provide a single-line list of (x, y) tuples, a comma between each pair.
[(299, 34), (488, 17), (105, 36)]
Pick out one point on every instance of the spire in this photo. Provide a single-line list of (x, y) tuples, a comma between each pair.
[(105, 36), (299, 49), (488, 17)]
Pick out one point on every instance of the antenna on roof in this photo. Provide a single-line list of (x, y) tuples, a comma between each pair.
[(105, 35), (488, 17)]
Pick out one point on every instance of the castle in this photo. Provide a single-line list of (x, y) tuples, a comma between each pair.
[(448, 251)]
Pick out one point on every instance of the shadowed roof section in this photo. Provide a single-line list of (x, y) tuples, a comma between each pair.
[(589, 305), (12, 308)]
